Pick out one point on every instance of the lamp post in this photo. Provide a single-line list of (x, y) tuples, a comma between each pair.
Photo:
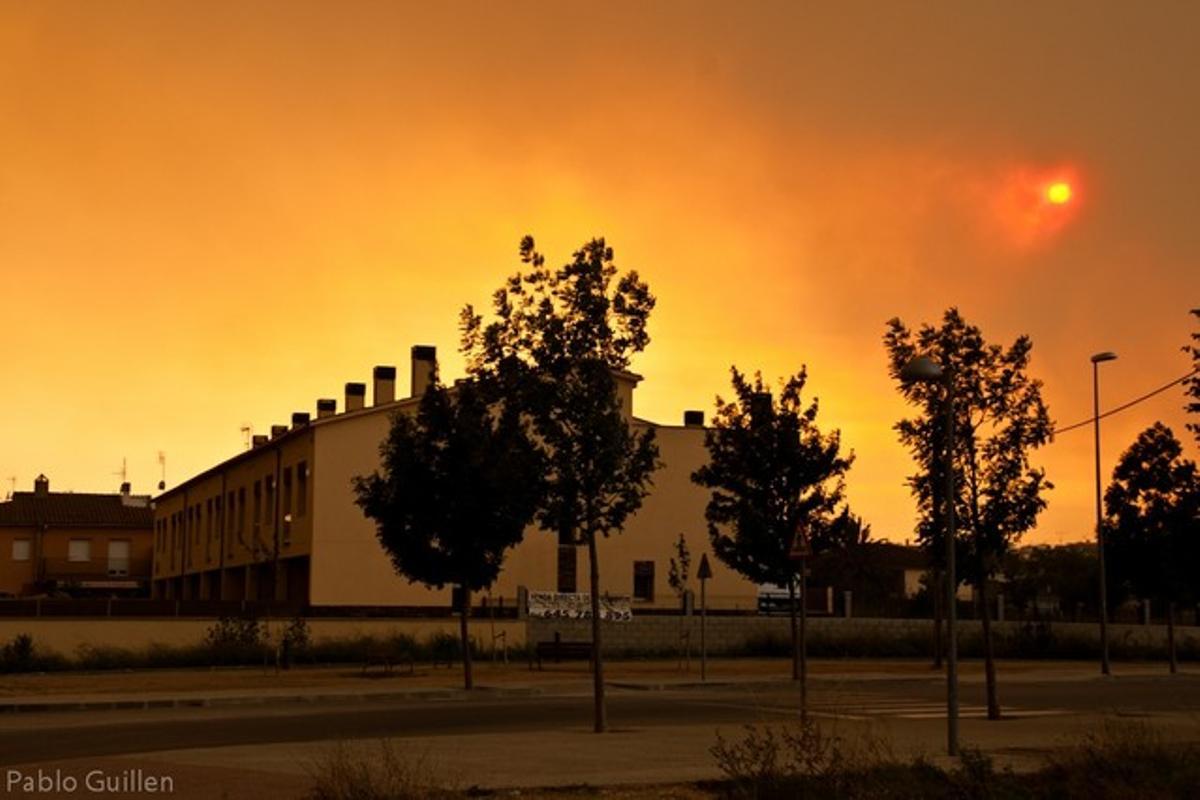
[(1105, 667), (923, 369)]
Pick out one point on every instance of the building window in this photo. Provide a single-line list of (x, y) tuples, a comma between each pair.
[(208, 529), (269, 510), (231, 514), (287, 505), (257, 504), (301, 488), (22, 549), (79, 550), (643, 580)]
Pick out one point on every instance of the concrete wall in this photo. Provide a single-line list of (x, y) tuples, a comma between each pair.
[(66, 636), (733, 633)]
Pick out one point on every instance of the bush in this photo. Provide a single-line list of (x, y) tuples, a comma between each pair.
[(235, 640), (294, 643), (1124, 760), (1120, 761), (343, 774), (17, 655)]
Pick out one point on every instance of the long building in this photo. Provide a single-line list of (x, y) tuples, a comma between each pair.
[(279, 522)]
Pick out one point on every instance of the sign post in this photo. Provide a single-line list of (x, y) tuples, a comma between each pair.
[(800, 551), (703, 573)]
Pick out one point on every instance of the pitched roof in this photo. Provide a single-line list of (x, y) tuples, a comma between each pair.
[(67, 509)]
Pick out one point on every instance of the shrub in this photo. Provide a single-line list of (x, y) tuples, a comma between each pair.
[(1124, 759), (235, 640), (17, 655), (294, 643), (344, 774)]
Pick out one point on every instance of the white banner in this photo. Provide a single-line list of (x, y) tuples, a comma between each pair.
[(577, 605)]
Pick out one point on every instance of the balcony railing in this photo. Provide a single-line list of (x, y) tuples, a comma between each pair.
[(97, 569)]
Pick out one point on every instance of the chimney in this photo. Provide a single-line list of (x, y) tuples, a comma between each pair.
[(326, 407), (356, 396), (126, 488), (424, 368), (41, 486), (299, 419), (258, 440), (385, 385), (278, 430), (693, 419)]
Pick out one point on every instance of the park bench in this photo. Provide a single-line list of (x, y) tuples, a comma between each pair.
[(557, 649)]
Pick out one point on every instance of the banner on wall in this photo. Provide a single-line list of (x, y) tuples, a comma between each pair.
[(577, 605)]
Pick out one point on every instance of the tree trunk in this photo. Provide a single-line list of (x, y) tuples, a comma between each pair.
[(463, 617), (601, 721), (803, 644), (939, 591), (1171, 655), (795, 632), (989, 661)]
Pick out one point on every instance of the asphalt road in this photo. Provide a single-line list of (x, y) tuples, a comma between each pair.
[(30, 738)]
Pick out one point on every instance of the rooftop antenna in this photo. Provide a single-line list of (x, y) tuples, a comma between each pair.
[(124, 472), (247, 431), (162, 463)]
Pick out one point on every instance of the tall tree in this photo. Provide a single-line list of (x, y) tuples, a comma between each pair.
[(999, 419), (1152, 521), (556, 341), (772, 473), (1192, 384), (459, 483)]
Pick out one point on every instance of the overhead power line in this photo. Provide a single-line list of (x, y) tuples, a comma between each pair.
[(1130, 404)]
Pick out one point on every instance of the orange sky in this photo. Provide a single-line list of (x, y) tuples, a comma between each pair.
[(213, 213)]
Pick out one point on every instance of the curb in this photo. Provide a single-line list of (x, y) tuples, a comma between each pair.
[(125, 704)]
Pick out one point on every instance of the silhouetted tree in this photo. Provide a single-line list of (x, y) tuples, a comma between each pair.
[(999, 419), (678, 571), (1066, 573), (554, 345), (459, 483), (1192, 384), (1152, 521), (772, 473)]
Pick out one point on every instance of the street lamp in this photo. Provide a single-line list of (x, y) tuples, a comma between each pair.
[(1105, 667), (923, 369)]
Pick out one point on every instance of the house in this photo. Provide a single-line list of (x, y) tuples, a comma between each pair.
[(278, 522), (75, 543)]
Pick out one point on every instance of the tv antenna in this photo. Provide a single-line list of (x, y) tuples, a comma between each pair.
[(123, 471), (247, 432), (162, 463)]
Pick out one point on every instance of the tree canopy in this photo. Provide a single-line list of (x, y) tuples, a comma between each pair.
[(1000, 418), (771, 471), (1152, 519)]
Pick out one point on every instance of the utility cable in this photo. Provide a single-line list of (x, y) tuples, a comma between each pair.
[(1130, 404)]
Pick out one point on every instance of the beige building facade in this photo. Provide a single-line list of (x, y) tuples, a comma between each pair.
[(279, 521)]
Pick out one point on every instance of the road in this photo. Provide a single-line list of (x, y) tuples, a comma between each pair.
[(36, 737)]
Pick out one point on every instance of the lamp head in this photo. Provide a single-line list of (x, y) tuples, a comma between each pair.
[(921, 369), (1105, 356)]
